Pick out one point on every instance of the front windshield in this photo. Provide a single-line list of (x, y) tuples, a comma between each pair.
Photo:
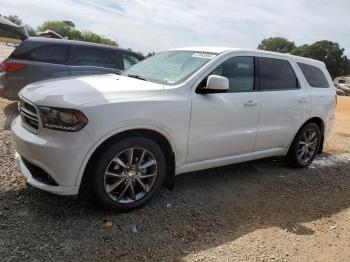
[(169, 67)]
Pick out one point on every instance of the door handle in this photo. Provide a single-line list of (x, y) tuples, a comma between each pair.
[(250, 103), (303, 100)]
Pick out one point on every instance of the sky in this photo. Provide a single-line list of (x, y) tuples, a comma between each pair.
[(157, 25)]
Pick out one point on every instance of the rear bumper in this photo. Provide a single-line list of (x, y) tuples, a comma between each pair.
[(57, 190)]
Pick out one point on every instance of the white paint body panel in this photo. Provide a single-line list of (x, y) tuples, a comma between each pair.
[(204, 131)]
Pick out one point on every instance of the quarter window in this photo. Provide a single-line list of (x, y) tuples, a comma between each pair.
[(90, 56), (240, 72), (277, 74), (314, 76)]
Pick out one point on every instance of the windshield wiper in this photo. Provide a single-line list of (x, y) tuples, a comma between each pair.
[(137, 77)]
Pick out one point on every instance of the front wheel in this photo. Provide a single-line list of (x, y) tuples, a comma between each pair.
[(305, 146), (129, 173)]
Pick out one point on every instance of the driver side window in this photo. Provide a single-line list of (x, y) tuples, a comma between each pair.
[(239, 71)]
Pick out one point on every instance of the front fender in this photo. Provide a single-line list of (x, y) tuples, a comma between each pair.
[(118, 131)]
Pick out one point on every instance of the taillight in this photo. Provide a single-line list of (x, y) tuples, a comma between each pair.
[(7, 66)]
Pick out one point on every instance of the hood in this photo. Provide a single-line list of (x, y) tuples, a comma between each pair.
[(87, 90), (13, 28)]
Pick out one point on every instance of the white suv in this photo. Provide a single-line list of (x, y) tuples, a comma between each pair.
[(178, 111)]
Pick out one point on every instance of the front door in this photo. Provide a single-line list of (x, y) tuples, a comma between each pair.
[(225, 124)]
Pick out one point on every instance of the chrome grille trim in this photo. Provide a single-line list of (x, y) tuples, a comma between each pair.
[(29, 115)]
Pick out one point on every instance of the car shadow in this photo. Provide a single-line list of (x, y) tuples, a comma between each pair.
[(205, 210)]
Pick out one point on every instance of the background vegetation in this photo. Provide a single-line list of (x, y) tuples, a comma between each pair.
[(64, 28), (329, 52)]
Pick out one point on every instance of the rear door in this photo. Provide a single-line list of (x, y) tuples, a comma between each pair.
[(91, 60), (284, 103)]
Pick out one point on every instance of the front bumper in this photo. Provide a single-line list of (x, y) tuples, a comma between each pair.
[(57, 190), (59, 154)]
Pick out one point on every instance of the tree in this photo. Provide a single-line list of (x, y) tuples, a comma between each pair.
[(60, 27), (328, 52), (74, 34), (276, 44), (30, 30), (89, 36), (67, 29)]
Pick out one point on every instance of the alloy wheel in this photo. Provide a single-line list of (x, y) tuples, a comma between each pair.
[(307, 145), (130, 175)]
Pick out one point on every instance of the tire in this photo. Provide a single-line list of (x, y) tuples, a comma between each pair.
[(114, 168), (305, 146)]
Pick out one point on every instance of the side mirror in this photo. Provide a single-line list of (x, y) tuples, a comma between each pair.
[(217, 83)]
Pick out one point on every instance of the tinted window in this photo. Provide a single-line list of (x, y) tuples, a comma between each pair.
[(129, 60), (314, 75), (239, 71), (277, 74), (56, 54), (91, 56)]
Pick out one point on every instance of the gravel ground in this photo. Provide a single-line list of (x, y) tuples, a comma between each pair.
[(256, 211)]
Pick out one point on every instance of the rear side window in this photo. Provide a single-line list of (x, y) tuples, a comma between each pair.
[(53, 53), (277, 74), (129, 60), (91, 56), (314, 76)]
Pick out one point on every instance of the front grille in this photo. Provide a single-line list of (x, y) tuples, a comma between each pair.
[(39, 174), (29, 115)]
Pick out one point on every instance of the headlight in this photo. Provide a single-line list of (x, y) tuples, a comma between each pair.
[(70, 120)]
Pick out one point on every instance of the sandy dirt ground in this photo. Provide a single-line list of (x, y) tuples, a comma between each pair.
[(257, 211)]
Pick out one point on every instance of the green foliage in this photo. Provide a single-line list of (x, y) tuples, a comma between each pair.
[(330, 53), (89, 36), (276, 44), (60, 27), (326, 51), (64, 28), (67, 29), (74, 34)]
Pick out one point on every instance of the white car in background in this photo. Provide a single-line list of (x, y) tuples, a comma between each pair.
[(178, 111)]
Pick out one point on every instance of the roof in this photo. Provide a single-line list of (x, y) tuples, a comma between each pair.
[(209, 49), (219, 50), (75, 42)]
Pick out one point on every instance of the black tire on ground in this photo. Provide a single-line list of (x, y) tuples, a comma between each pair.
[(104, 161), (295, 148)]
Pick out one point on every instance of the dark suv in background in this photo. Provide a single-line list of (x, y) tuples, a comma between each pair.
[(38, 58)]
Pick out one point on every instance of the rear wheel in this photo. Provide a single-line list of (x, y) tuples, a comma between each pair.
[(305, 146), (129, 173)]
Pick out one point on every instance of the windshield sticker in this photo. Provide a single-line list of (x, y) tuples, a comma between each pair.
[(203, 55)]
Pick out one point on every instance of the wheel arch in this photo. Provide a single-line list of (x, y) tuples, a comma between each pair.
[(318, 121), (157, 135)]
